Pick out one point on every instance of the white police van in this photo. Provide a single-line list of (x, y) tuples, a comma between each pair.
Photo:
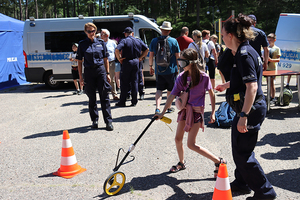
[(288, 40), (48, 43)]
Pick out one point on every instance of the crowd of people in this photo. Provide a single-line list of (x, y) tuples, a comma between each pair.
[(190, 65)]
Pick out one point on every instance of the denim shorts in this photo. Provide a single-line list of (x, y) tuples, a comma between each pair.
[(118, 67)]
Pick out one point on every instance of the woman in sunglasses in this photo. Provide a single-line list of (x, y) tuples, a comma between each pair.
[(190, 119), (96, 74)]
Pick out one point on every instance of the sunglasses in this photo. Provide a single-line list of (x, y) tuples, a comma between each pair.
[(93, 31), (183, 63)]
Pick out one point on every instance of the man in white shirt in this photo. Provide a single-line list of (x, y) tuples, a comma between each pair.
[(212, 61), (111, 46)]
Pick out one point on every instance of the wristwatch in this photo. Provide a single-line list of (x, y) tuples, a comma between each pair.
[(243, 114)]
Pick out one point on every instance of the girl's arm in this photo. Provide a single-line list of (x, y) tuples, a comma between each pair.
[(213, 105), (167, 105)]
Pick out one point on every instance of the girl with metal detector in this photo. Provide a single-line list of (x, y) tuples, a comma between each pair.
[(190, 119)]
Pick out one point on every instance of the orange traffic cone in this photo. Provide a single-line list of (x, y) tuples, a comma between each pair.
[(222, 189), (68, 167)]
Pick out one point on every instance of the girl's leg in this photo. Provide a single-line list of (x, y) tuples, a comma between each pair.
[(178, 140), (191, 143)]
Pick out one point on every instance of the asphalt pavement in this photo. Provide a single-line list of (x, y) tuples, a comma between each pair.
[(34, 117)]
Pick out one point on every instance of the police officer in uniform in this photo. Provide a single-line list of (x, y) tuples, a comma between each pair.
[(96, 74), (246, 78), (133, 52)]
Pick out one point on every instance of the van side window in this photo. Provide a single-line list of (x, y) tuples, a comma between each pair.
[(147, 35), (62, 41)]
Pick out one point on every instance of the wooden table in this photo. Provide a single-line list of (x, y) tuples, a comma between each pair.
[(282, 73)]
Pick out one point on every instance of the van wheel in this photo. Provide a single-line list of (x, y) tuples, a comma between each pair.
[(48, 79)]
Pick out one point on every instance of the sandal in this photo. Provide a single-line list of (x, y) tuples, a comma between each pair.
[(178, 167), (217, 167)]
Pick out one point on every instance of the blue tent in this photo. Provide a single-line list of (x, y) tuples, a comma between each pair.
[(11, 52)]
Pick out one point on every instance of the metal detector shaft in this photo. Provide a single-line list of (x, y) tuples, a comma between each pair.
[(133, 145)]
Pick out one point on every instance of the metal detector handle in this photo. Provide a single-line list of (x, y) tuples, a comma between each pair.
[(134, 144)]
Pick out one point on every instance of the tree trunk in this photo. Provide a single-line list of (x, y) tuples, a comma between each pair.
[(26, 10), (198, 12), (37, 9), (74, 8), (21, 12), (105, 7)]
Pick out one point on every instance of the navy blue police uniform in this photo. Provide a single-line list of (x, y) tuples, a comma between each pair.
[(95, 77), (260, 40), (131, 50), (248, 172)]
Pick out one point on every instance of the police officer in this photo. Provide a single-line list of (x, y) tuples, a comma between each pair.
[(96, 74), (246, 78), (259, 41), (133, 52)]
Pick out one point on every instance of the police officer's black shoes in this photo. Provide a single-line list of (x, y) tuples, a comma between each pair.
[(235, 187), (120, 105), (95, 124), (254, 198), (109, 126)]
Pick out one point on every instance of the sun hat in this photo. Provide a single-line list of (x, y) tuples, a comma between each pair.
[(166, 26)]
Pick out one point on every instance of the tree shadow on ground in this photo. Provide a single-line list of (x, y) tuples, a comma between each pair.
[(156, 180), (290, 143)]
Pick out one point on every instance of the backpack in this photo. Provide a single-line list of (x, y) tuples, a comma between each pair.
[(286, 98), (163, 53), (224, 115)]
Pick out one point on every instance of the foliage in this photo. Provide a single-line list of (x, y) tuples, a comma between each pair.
[(178, 12)]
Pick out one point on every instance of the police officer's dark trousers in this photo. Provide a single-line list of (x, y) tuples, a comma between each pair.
[(248, 170), (95, 79), (129, 80)]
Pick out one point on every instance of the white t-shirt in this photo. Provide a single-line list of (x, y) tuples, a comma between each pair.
[(210, 46), (203, 49)]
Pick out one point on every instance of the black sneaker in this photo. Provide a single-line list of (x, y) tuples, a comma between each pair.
[(254, 198), (239, 188), (109, 126), (95, 124)]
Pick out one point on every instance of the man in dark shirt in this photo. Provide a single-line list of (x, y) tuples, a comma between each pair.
[(133, 52), (260, 41)]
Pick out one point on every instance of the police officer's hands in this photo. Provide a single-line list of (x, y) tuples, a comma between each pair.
[(151, 71), (242, 125), (81, 81), (121, 60), (220, 88), (108, 78)]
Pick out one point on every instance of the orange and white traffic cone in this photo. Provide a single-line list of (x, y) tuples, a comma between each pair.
[(68, 167), (222, 189)]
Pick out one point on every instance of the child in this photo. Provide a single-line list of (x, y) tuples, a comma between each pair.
[(75, 74), (190, 119), (274, 58)]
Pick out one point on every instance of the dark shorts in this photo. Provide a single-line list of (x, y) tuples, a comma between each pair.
[(75, 74), (165, 82), (211, 68)]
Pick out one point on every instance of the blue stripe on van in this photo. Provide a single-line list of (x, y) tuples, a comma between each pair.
[(290, 55), (48, 56)]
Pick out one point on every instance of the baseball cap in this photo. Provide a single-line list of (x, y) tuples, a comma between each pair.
[(128, 30), (75, 44), (252, 17)]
